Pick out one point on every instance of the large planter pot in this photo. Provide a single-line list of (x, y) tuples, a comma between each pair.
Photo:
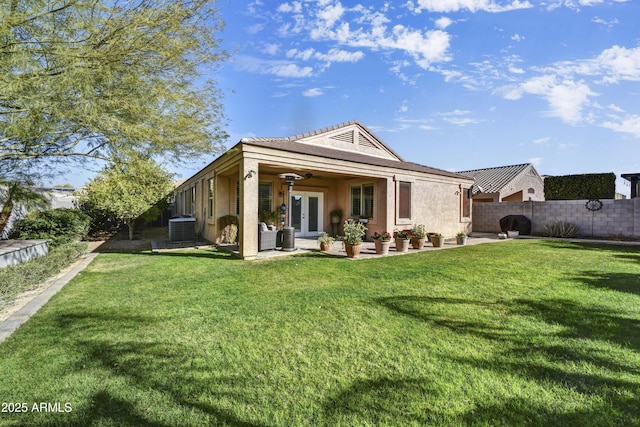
[(418, 242), (353, 251), (402, 245), (438, 241), (513, 234), (461, 240), (382, 246), (335, 220), (325, 246)]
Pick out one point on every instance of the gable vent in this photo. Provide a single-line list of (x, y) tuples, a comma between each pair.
[(364, 141), (344, 137)]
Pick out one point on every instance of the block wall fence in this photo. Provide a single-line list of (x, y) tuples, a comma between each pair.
[(617, 218)]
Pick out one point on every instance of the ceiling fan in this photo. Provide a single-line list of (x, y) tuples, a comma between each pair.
[(309, 175)]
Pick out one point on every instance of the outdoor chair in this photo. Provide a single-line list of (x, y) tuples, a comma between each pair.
[(267, 239)]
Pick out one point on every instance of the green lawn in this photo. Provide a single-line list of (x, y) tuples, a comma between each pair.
[(523, 332)]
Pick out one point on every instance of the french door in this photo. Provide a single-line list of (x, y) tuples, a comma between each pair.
[(306, 213)]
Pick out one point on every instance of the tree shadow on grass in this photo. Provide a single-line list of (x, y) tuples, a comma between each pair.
[(584, 321), (383, 401), (630, 252), (137, 364), (623, 282), (580, 360)]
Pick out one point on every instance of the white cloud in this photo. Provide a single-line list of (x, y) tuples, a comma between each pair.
[(362, 27), (536, 161), (313, 92), (337, 55), (517, 38), (274, 67), (629, 124), (566, 98), (271, 49), (304, 55), (447, 6), (443, 23), (542, 141), (615, 108), (459, 118), (294, 7), (619, 63)]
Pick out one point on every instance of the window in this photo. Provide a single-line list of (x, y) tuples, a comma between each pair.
[(265, 196), (466, 202), (238, 198), (362, 200), (210, 199), (404, 200), (193, 200), (188, 202)]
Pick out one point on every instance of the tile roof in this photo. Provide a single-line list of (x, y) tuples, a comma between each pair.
[(494, 180), (290, 144)]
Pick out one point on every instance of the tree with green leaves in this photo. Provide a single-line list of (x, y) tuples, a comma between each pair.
[(97, 78), (128, 189)]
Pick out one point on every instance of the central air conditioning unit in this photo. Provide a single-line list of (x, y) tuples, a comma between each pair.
[(181, 229)]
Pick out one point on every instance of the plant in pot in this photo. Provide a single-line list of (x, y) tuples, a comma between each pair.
[(354, 232), (382, 242), (461, 238), (325, 241), (438, 240), (336, 216), (269, 217), (418, 236), (402, 239)]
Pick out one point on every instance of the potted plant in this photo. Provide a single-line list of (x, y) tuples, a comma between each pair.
[(513, 234), (438, 240), (418, 236), (402, 240), (325, 241), (269, 217), (382, 242), (461, 238), (354, 232), (336, 216)]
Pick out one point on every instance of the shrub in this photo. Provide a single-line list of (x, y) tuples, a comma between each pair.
[(577, 187), (560, 229), (19, 278), (59, 225)]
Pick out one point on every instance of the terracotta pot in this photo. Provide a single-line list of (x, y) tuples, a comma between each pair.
[(438, 241), (325, 246), (382, 246), (418, 242), (402, 245), (353, 251)]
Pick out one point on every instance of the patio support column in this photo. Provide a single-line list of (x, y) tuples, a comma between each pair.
[(390, 221), (248, 233)]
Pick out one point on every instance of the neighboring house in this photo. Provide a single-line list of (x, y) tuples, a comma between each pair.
[(343, 167), (515, 183), (58, 197)]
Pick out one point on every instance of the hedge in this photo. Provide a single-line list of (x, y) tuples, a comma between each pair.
[(579, 187), (59, 225)]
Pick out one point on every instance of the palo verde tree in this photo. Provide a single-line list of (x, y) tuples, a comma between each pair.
[(95, 78), (128, 189)]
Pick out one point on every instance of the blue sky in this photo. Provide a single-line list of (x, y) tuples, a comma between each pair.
[(454, 84)]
